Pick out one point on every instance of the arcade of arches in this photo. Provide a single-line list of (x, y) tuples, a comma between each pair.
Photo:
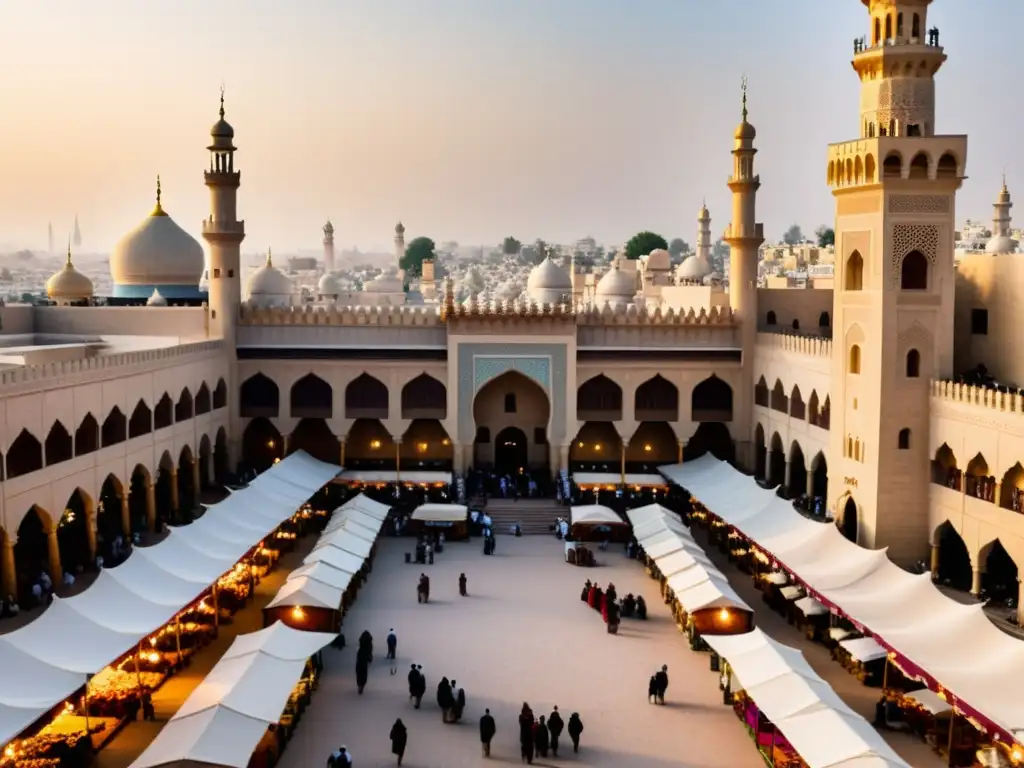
[(86, 529)]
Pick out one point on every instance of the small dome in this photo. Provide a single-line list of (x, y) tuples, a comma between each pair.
[(659, 258), (328, 285), (399, 228), (387, 281), (222, 129), (157, 252), (268, 280), (69, 284), (693, 268), (703, 214), (156, 300), (745, 131), (548, 283), (616, 285), (1001, 244)]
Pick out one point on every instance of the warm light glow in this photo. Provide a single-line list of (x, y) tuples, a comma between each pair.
[(374, 445), (270, 443), (153, 658), (277, 461), (446, 441), (297, 612), (597, 446), (1017, 755), (647, 448), (152, 641), (421, 447), (723, 614), (579, 444)]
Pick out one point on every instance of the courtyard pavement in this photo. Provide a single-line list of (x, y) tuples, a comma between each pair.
[(522, 635)]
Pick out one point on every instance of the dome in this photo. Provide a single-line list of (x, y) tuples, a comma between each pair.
[(268, 280), (616, 285), (157, 253), (473, 281), (156, 300), (745, 131), (659, 258), (693, 268), (1001, 244), (548, 283), (508, 291), (387, 281), (399, 228), (69, 284), (328, 285), (222, 129)]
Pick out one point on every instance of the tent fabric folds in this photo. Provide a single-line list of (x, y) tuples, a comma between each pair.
[(696, 582), (78, 636), (595, 514), (340, 552), (954, 645), (223, 720), (812, 717)]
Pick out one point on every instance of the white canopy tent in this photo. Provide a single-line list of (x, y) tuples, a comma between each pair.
[(345, 515), (440, 513), (78, 636), (821, 726), (324, 573), (223, 720), (307, 592), (346, 540), (615, 478), (595, 514), (372, 476), (955, 645), (368, 506), (336, 558)]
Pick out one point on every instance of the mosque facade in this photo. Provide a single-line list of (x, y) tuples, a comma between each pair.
[(121, 413)]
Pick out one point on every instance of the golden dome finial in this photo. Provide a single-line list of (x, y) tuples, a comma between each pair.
[(222, 101), (158, 208), (68, 264), (744, 88)]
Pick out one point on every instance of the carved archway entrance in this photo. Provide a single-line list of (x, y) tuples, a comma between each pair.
[(511, 400), (849, 524), (511, 451)]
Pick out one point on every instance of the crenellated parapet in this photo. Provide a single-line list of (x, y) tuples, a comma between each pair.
[(630, 314), (337, 315), (119, 365), (980, 397), (813, 346)]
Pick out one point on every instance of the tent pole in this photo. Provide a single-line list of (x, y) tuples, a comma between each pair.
[(885, 675), (85, 711)]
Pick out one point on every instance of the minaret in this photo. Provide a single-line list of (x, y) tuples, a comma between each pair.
[(78, 234), (704, 235), (892, 313), (1001, 212), (744, 236), (224, 233), (328, 246), (399, 244)]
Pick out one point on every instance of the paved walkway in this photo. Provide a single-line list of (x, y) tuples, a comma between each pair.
[(522, 635), (858, 696)]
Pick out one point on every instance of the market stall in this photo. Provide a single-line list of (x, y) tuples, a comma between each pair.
[(594, 522), (307, 604), (453, 519)]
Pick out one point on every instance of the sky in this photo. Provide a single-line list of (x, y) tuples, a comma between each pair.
[(467, 120)]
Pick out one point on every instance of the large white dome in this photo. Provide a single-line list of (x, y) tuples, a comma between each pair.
[(268, 282), (548, 283), (157, 252), (387, 281), (1001, 244), (616, 285), (693, 268), (68, 284), (328, 285)]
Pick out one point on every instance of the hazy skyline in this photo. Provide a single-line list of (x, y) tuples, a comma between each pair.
[(466, 120)]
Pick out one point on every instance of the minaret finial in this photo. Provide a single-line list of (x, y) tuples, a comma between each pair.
[(744, 87), (270, 258), (68, 264), (158, 208), (222, 101)]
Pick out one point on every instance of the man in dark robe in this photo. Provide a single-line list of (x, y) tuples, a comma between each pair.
[(585, 594), (526, 733), (420, 687), (629, 606), (399, 738), (362, 672), (555, 726), (413, 678), (598, 598), (540, 737), (662, 679), (460, 704), (366, 646), (612, 618), (611, 593), (575, 728), (641, 608), (426, 588), (445, 700), (462, 584), (487, 731)]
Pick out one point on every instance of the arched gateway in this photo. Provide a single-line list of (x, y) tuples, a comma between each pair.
[(511, 415)]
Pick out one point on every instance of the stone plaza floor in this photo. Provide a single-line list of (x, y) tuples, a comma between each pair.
[(522, 635)]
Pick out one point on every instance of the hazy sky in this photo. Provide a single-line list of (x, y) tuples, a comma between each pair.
[(466, 119)]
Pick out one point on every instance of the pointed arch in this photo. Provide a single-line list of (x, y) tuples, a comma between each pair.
[(813, 410), (711, 400), (892, 166), (797, 464), (779, 400), (220, 395), (854, 366), (366, 397), (205, 457), (426, 446), (819, 476), (262, 444), (849, 522), (825, 414), (202, 400), (259, 396), (761, 394), (59, 446), (1011, 489), (914, 270), (948, 166), (77, 545), (913, 364), (858, 170), (919, 166), (978, 480), (853, 272), (869, 169), (760, 454), (315, 438), (311, 398), (599, 399), (776, 462), (31, 553), (163, 414), (903, 440), (25, 455), (711, 437), (183, 410), (141, 421), (999, 572), (109, 524), (369, 445), (954, 569), (424, 397), (657, 399), (797, 409), (115, 428)]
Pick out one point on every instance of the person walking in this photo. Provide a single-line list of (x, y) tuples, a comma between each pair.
[(413, 678), (340, 758), (575, 728), (555, 726), (462, 584), (487, 731), (652, 690), (662, 680), (460, 703), (392, 643), (399, 738), (420, 687), (445, 700), (362, 673), (540, 737), (526, 733)]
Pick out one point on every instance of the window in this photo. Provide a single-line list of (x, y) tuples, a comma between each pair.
[(853, 278), (913, 364), (510, 402), (915, 29), (878, 31), (770, 318), (904, 440), (823, 320), (899, 25), (979, 322), (796, 325), (914, 272), (854, 359)]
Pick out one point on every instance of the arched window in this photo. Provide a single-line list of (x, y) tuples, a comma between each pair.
[(899, 25), (913, 364), (856, 449), (853, 277), (510, 402), (849, 447), (904, 440), (892, 166), (915, 29), (888, 27), (919, 166), (823, 320), (855, 359), (770, 318), (796, 325), (878, 31), (914, 272)]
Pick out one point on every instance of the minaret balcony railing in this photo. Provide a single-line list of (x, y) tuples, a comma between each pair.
[(223, 227), (860, 44)]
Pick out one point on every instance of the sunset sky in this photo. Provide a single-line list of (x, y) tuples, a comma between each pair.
[(466, 119)]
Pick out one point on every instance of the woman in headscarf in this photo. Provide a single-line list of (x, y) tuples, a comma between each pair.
[(362, 672), (592, 595), (399, 737)]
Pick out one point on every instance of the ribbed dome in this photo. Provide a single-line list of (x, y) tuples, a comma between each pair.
[(157, 252), (69, 284), (222, 129), (616, 284), (386, 282), (328, 285), (1001, 244), (156, 300), (268, 280)]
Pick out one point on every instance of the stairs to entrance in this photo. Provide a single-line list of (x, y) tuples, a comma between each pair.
[(536, 516)]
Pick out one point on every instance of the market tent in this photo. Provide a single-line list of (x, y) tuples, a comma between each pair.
[(648, 512), (336, 558), (615, 478), (954, 645), (308, 593), (365, 504), (357, 516), (344, 539), (438, 513), (683, 560), (827, 737), (324, 573), (372, 476), (595, 514), (354, 528), (223, 720), (78, 636), (716, 592)]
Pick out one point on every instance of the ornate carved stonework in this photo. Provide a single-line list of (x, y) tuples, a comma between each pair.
[(486, 368), (935, 204), (912, 237)]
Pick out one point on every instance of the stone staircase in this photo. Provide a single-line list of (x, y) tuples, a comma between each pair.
[(535, 515)]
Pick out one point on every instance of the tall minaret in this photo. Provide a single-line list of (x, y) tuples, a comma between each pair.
[(78, 234), (892, 312), (704, 235), (744, 236), (399, 243), (1001, 212), (224, 233), (328, 246)]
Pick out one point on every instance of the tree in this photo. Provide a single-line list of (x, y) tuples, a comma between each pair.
[(419, 250), (793, 235), (678, 247), (643, 243), (826, 236), (510, 246)]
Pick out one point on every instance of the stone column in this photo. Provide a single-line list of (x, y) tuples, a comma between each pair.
[(196, 479), (150, 506), (398, 459), (787, 475), (175, 501), (284, 445), (810, 485), (90, 534), (997, 497), (341, 456), (53, 557), (622, 466), (679, 454), (976, 581), (126, 514), (935, 561), (8, 569)]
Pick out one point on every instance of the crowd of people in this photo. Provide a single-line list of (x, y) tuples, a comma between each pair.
[(612, 609), (538, 737)]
